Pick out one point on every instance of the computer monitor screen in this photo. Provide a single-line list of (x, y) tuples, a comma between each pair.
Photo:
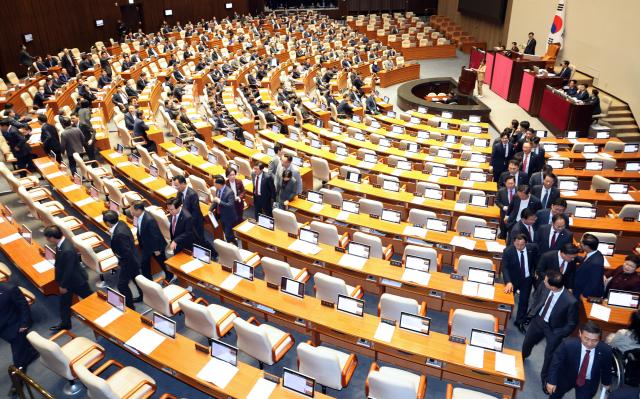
[(315, 197), (479, 200), (593, 165), (391, 185), (556, 163), (164, 325), (623, 299), (447, 115), (481, 276), (350, 305), (485, 233), (242, 270), (292, 287), (201, 253), (354, 177), (49, 254), (436, 225), (266, 222), (403, 165), (568, 185), (417, 263), (474, 118), (585, 212), (606, 248), (487, 340), (433, 193), (478, 176), (618, 188), (115, 299), (114, 206), (309, 236), (153, 171), (350, 206), (361, 250), (25, 232), (297, 382), (225, 352), (415, 323), (389, 215)]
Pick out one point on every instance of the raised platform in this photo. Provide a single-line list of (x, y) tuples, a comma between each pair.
[(411, 95)]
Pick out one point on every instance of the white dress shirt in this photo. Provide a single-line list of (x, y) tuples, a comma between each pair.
[(560, 262), (554, 299), (523, 204), (583, 352)]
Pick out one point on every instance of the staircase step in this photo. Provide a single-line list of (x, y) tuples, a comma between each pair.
[(629, 128), (619, 113), (629, 137), (619, 121), (619, 107)]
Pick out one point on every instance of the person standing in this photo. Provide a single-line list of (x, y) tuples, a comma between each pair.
[(71, 142), (481, 70), (530, 48), (589, 277), (191, 203), (150, 240), (518, 263), (237, 187), (224, 208), (15, 321), (180, 227), (553, 315), (581, 363), (69, 274), (274, 162), (49, 137), (562, 260), (264, 190), (287, 190), (123, 246)]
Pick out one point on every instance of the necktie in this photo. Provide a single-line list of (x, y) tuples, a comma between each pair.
[(173, 224), (510, 195), (545, 198), (547, 304), (553, 239), (524, 162), (562, 266), (582, 374), (256, 185), (530, 233), (522, 263), (506, 150)]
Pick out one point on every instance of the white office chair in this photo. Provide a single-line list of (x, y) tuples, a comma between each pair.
[(612, 146), (465, 172), (328, 234), (464, 262), (275, 269), (321, 172), (211, 320), (600, 183), (329, 367), (286, 221), (423, 252), (466, 224), (391, 307), (627, 211), (100, 262), (420, 216), (262, 342), (127, 382), (465, 194), (328, 288), (61, 359), (572, 205), (331, 197), (376, 250), (229, 253), (392, 383), (165, 300), (371, 207), (607, 163), (462, 321), (610, 238), (422, 186)]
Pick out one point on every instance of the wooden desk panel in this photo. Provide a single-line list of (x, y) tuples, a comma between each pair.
[(399, 75), (618, 319)]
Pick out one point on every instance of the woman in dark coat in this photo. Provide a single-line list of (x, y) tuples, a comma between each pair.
[(238, 189)]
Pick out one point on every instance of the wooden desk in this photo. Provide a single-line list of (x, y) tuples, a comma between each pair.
[(584, 176), (561, 115), (618, 319), (602, 201), (328, 325), (176, 357), (400, 74), (579, 158), (628, 232), (425, 127), (453, 121)]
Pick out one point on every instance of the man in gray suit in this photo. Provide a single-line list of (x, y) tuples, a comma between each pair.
[(287, 164), (71, 142), (274, 163)]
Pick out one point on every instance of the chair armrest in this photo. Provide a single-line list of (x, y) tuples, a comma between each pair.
[(92, 162), (15, 172), (344, 236), (278, 343), (106, 365), (83, 354), (61, 333), (302, 273), (389, 249), (160, 280), (252, 256), (175, 299), (222, 319), (450, 321), (612, 214), (136, 388), (201, 299), (349, 369), (253, 320), (423, 309), (167, 396), (357, 292), (136, 140)]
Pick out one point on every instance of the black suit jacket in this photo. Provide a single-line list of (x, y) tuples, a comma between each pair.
[(534, 205), (150, 237), (588, 279), (522, 178), (565, 365), (531, 47), (554, 194), (498, 160), (502, 200), (191, 202), (183, 234), (535, 163), (511, 272), (564, 315), (550, 261), (69, 273), (50, 138), (15, 311), (544, 217), (140, 128), (521, 228), (542, 238), (123, 246), (267, 187), (227, 207), (129, 120)]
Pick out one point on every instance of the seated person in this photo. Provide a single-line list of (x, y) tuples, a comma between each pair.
[(595, 98), (628, 338), (625, 277), (572, 89)]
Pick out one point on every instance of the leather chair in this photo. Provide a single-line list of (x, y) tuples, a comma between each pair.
[(462, 321), (328, 288), (165, 300), (392, 383), (262, 342), (329, 367), (375, 245), (464, 262), (391, 307), (275, 269), (127, 382), (229, 253), (211, 320)]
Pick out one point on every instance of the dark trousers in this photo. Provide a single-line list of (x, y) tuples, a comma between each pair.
[(21, 350), (72, 162), (536, 331), (584, 392), (145, 265), (262, 205), (227, 229), (82, 291), (126, 275), (523, 299)]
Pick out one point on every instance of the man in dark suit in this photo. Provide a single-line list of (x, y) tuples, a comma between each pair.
[(264, 190), (588, 279), (522, 200), (562, 260), (224, 208), (547, 192), (124, 247), (582, 94), (71, 142), (69, 274), (536, 178), (150, 240), (104, 79), (69, 63), (524, 226), (545, 216), (15, 321), (345, 108), (529, 162), (518, 262), (501, 153), (513, 169), (371, 105), (553, 315), (565, 72), (49, 137), (550, 237), (130, 117), (503, 199), (180, 227), (530, 48), (191, 203), (581, 363)]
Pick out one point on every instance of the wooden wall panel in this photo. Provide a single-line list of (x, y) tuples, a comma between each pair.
[(492, 33)]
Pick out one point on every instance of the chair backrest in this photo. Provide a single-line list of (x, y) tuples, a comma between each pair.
[(463, 321), (244, 167), (610, 238), (328, 287), (600, 182), (198, 183), (320, 169), (464, 393), (391, 306), (612, 146), (327, 233), (162, 220), (51, 355), (199, 319), (382, 386), (253, 340), (331, 197), (285, 221), (374, 243), (607, 163), (203, 150), (422, 186), (372, 207), (423, 252), (629, 211), (572, 205), (465, 194), (275, 269), (467, 261), (227, 253), (87, 255), (153, 295), (97, 388), (466, 224), (419, 216), (320, 363)]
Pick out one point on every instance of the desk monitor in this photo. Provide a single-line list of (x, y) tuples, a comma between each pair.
[(276, 128), (243, 270), (444, 153), (135, 159), (119, 148), (375, 124), (77, 179), (319, 123), (478, 176), (231, 136), (201, 253), (297, 382), (370, 158), (590, 149), (49, 254), (94, 193), (479, 200), (417, 263), (403, 165), (485, 233), (351, 206), (382, 142), (415, 323), (225, 352), (115, 299), (179, 142), (556, 163), (624, 299), (391, 185), (270, 152), (193, 149), (342, 151), (310, 236), (423, 135), (631, 148), (397, 129), (316, 144), (25, 232), (481, 276), (593, 165), (168, 13), (203, 196), (8, 213), (414, 120), (618, 188), (568, 185), (356, 119), (336, 130), (447, 115), (292, 287), (585, 212), (433, 193), (350, 305), (480, 158), (603, 135), (487, 340), (389, 215), (437, 225), (541, 133), (322, 106), (480, 142), (475, 129), (354, 177), (450, 138), (358, 136), (114, 206), (315, 197), (265, 222), (292, 135), (572, 134), (440, 171), (249, 144), (391, 114), (632, 167), (386, 99), (422, 110), (550, 147), (606, 248), (474, 118), (153, 171), (444, 125), (356, 249), (413, 147), (164, 325)]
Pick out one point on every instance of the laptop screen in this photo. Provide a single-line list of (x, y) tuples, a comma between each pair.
[(487, 340), (391, 185), (389, 215), (225, 352), (555, 163), (481, 276), (242, 270), (361, 250), (585, 212), (618, 188), (433, 193), (568, 185), (315, 197), (265, 221), (350, 206), (417, 263), (309, 236), (403, 165), (485, 233), (623, 299), (350, 305), (292, 287), (606, 248), (415, 323), (436, 225), (201, 253), (479, 200)]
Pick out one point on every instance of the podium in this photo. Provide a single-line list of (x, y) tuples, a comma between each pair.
[(532, 89), (507, 74), (561, 115), (467, 81)]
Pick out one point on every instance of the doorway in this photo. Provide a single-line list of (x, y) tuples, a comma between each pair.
[(132, 17)]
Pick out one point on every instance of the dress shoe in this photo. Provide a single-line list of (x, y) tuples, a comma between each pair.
[(59, 327), (137, 299)]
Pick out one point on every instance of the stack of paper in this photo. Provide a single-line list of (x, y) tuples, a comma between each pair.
[(384, 332), (460, 207), (352, 261), (108, 317), (342, 216), (304, 247), (123, 164), (262, 389), (147, 180), (54, 175), (167, 191), (11, 238), (70, 187), (145, 341), (230, 282), (85, 201), (600, 312), (316, 208), (464, 242), (415, 231), (416, 276), (192, 265), (182, 153), (217, 372), (486, 291), (43, 266), (494, 246), (115, 155), (506, 363), (621, 197), (474, 357), (245, 227), (470, 288)]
